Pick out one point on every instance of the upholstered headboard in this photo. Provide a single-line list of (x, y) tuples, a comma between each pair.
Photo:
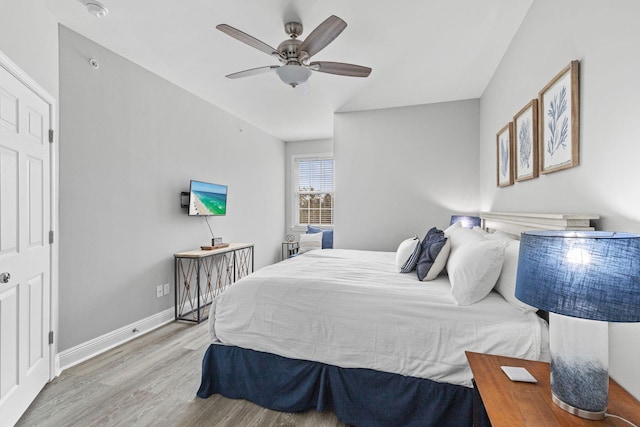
[(515, 223)]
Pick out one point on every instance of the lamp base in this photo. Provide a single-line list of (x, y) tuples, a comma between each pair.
[(582, 413), (579, 365)]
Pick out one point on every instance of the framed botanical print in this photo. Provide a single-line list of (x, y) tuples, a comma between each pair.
[(504, 143), (559, 103), (525, 135)]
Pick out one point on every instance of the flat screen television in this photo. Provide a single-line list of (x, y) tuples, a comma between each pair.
[(206, 199)]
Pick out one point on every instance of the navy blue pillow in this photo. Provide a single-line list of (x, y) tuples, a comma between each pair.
[(431, 247), (327, 236)]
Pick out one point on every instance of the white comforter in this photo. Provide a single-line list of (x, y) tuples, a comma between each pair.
[(352, 309)]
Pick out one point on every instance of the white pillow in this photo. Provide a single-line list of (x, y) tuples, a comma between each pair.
[(506, 284), (439, 263), (309, 242), (480, 231), (403, 253), (461, 236), (500, 235), (453, 227), (473, 268)]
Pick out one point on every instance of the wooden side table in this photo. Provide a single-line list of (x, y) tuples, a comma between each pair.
[(509, 403)]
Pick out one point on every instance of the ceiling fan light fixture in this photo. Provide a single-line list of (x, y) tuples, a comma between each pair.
[(293, 75), (295, 54)]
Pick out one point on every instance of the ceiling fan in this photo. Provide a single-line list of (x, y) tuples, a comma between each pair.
[(294, 54)]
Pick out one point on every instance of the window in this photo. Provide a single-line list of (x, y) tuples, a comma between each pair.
[(313, 190)]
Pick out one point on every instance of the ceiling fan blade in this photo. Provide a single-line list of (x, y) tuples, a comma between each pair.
[(252, 72), (340, 68), (247, 39), (323, 34)]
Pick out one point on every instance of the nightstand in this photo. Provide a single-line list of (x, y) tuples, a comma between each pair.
[(510, 403), (289, 249)]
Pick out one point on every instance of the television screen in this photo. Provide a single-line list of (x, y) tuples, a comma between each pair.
[(207, 199)]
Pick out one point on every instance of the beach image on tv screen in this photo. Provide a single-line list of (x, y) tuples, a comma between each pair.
[(207, 199)]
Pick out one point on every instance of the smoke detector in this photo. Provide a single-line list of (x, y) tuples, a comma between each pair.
[(96, 9)]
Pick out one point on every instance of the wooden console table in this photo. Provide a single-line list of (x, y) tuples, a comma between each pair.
[(218, 267)]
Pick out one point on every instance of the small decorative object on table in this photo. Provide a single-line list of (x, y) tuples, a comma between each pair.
[(216, 241)]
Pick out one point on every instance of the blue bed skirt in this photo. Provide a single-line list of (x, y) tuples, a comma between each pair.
[(359, 397)]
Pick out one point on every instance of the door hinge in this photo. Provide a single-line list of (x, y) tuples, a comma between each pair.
[(51, 237), (51, 135), (50, 337)]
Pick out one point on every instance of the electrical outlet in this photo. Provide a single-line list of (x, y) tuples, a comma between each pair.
[(167, 289), (159, 291)]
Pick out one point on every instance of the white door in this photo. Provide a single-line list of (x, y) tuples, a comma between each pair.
[(25, 253)]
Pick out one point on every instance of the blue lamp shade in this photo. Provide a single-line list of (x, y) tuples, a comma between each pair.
[(590, 275), (467, 221)]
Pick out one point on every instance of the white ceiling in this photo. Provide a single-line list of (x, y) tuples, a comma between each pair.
[(421, 52)]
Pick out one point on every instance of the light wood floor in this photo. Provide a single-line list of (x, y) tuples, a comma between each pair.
[(151, 381)]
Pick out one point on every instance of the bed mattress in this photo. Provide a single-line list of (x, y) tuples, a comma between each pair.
[(352, 309)]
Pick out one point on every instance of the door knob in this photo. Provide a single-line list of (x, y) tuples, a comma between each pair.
[(5, 277)]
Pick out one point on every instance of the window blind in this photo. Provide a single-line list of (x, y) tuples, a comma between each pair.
[(313, 190), (315, 175)]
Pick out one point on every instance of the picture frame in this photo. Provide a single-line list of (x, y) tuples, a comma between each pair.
[(504, 161), (525, 136), (559, 121)]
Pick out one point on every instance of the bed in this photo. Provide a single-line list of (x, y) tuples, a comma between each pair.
[(343, 329)]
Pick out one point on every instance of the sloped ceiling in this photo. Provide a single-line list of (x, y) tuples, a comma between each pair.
[(421, 52)]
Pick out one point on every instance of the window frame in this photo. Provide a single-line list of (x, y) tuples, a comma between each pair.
[(295, 194)]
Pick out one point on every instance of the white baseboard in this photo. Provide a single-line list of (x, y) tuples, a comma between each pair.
[(96, 346)]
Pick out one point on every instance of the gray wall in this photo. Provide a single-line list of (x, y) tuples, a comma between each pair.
[(316, 146), (401, 171), (29, 36), (604, 36), (129, 144)]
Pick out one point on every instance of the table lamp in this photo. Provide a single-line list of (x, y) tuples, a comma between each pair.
[(467, 221), (584, 280)]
